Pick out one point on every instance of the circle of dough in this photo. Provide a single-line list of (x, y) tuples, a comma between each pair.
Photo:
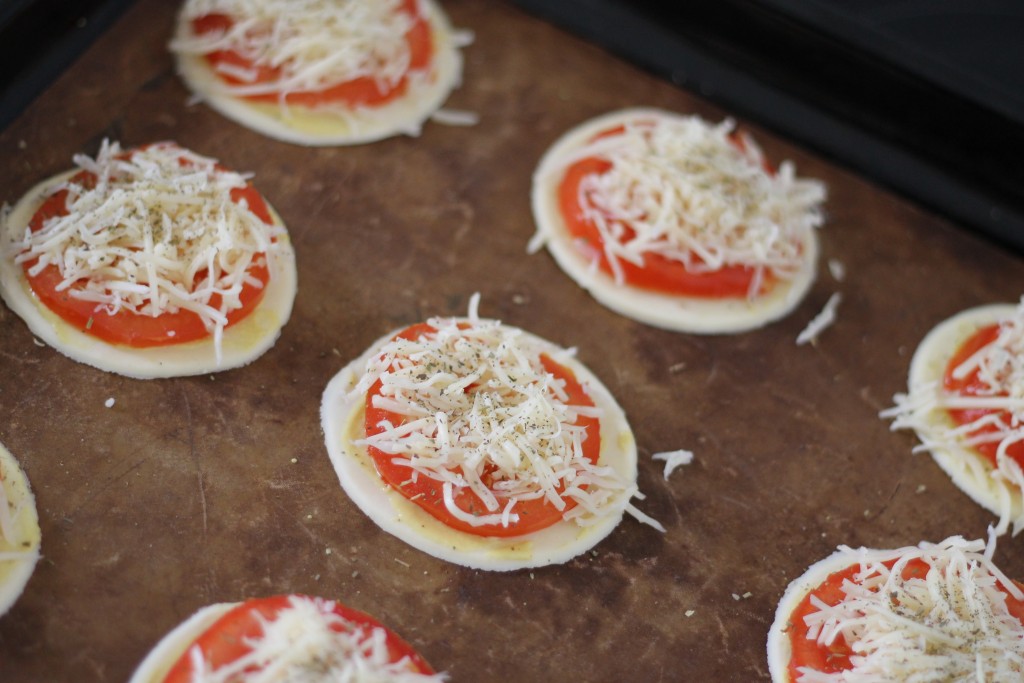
[(302, 125), (14, 574), (678, 313), (156, 665), (969, 470), (341, 416), (242, 342)]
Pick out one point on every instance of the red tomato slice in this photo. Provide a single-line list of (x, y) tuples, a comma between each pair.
[(807, 653), (658, 274), (428, 493), (224, 641), (973, 386), (363, 91), (125, 327)]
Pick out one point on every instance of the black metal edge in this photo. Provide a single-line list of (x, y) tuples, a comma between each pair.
[(40, 39), (981, 87), (951, 155), (872, 116)]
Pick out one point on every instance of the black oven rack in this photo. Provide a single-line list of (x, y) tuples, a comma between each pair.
[(904, 112), (895, 101)]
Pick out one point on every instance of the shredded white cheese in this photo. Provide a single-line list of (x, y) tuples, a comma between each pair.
[(307, 642), (315, 44), (680, 188), (837, 269), (820, 322), (153, 231), (455, 117), (1000, 368), (480, 412), (673, 459), (950, 625)]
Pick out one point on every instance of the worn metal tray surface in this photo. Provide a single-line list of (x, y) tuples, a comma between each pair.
[(217, 488)]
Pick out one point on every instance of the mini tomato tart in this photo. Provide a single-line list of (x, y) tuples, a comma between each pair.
[(150, 262), (19, 530), (677, 223), (965, 400), (481, 444), (935, 612), (320, 72), (282, 639)]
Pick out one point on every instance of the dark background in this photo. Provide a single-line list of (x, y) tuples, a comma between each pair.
[(923, 96)]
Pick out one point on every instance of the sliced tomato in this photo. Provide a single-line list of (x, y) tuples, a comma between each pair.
[(657, 273), (427, 493), (807, 652), (971, 385), (836, 658), (225, 640), (125, 327), (362, 91)]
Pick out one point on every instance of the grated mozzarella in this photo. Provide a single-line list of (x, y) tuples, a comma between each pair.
[(314, 44), (156, 233), (950, 625), (308, 642), (837, 269), (679, 188), (820, 322), (673, 459), (511, 438), (1000, 367)]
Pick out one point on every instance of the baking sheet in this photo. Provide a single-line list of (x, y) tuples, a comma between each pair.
[(216, 488)]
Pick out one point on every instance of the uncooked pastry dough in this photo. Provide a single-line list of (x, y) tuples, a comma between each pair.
[(672, 312), (342, 414), (242, 343), (968, 469)]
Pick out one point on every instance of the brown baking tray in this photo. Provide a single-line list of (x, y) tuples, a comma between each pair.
[(217, 488)]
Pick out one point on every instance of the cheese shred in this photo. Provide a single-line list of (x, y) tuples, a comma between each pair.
[(673, 459), (820, 322)]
